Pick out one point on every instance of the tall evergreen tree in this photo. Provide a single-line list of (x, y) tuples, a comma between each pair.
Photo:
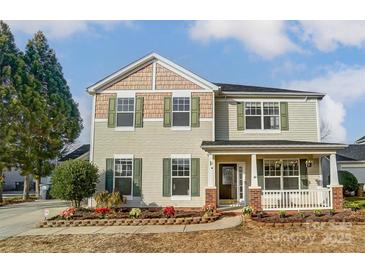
[(11, 85), (64, 121)]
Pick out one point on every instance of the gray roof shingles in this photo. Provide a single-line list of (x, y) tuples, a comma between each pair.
[(244, 88), (354, 152)]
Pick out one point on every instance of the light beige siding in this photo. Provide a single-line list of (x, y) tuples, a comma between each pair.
[(152, 143), (302, 123)]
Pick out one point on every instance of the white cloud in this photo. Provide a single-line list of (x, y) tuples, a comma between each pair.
[(58, 29), (343, 86), (328, 35), (288, 68), (267, 39)]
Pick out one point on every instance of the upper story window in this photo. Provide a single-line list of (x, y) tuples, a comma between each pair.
[(253, 115), (125, 112), (271, 115), (181, 112), (262, 115)]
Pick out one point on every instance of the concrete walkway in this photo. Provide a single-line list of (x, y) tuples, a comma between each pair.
[(225, 222)]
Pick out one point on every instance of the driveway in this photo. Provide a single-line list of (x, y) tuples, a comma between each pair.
[(18, 218)]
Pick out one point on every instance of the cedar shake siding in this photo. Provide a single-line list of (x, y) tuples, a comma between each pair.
[(138, 80), (302, 123), (101, 105), (167, 79)]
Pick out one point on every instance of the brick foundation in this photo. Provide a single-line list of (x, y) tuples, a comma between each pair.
[(254, 198), (337, 198), (211, 197)]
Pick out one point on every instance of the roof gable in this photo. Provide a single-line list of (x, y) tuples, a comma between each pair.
[(139, 75)]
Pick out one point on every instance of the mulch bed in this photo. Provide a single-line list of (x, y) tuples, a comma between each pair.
[(344, 216), (11, 201), (123, 213)]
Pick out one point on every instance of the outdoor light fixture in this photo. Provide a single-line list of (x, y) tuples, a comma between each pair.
[(308, 163)]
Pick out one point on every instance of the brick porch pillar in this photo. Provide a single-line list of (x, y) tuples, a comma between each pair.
[(254, 198), (337, 189), (211, 197)]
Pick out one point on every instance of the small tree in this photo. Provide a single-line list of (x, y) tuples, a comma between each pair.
[(74, 180), (348, 180)]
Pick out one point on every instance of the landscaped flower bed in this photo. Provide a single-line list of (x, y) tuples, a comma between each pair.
[(127, 216), (357, 217)]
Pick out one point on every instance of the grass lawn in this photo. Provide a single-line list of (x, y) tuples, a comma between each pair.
[(336, 238), (16, 200), (359, 200)]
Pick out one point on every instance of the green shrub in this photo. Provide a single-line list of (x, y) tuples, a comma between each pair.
[(318, 212), (348, 180), (282, 213), (135, 213), (247, 211), (301, 215), (74, 180)]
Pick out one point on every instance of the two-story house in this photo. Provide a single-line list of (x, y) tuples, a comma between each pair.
[(162, 135)]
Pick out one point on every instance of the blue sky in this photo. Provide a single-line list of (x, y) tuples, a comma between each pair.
[(311, 55)]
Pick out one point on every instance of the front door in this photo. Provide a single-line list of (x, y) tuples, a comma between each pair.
[(228, 183)]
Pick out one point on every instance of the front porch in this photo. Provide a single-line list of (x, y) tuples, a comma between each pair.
[(268, 177)]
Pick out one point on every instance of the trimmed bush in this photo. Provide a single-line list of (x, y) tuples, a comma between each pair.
[(348, 180), (74, 180)]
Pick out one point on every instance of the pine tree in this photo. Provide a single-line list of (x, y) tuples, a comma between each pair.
[(11, 109), (64, 121)]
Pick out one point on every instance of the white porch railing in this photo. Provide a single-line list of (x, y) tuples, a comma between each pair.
[(296, 199)]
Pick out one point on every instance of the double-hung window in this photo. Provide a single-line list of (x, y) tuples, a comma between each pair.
[(180, 176), (281, 174), (181, 112), (125, 112), (271, 115), (123, 176), (290, 174), (253, 115), (262, 115)]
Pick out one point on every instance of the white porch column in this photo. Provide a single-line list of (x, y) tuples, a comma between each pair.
[(333, 170), (254, 181), (211, 171)]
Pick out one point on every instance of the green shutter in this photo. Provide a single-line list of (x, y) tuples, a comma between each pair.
[(303, 174), (166, 188), (195, 111), (167, 109), (139, 112), (284, 116), (260, 172), (112, 112), (195, 177), (240, 116), (137, 177), (109, 170)]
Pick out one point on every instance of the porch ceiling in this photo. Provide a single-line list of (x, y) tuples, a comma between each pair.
[(270, 145)]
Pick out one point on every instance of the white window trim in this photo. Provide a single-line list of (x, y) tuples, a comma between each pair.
[(186, 94), (262, 130), (181, 197), (281, 172), (127, 95), (124, 156)]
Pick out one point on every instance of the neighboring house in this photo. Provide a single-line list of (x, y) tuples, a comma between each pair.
[(80, 153), (15, 182), (352, 159), (162, 135)]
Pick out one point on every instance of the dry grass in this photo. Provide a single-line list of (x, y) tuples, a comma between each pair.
[(240, 239)]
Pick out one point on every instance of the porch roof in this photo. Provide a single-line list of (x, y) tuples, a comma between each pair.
[(269, 144)]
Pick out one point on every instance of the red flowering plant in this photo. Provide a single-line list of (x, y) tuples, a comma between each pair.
[(68, 213), (169, 211), (102, 210)]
